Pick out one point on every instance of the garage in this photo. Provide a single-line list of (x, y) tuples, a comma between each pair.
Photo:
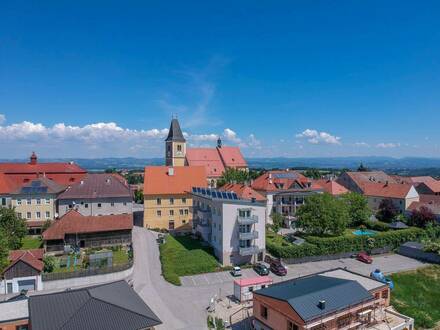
[(26, 285)]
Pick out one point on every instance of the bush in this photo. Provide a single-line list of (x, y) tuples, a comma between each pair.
[(49, 264), (377, 225)]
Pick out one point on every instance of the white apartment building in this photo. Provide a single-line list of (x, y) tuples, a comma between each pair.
[(234, 227)]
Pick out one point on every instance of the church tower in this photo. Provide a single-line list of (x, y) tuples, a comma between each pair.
[(175, 145)]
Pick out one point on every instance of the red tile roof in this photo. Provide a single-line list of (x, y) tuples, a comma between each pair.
[(31, 257), (207, 157), (434, 186), (6, 184), (283, 180), (243, 191), (332, 187), (373, 176), (159, 181), (434, 206), (232, 157), (73, 222), (390, 190)]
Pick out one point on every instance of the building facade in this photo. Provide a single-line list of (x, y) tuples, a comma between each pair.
[(175, 145), (234, 227)]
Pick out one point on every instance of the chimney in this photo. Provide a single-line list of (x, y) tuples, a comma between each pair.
[(253, 200), (386, 183), (170, 171), (270, 175), (33, 159), (321, 304)]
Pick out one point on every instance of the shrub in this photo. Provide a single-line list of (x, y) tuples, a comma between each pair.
[(49, 264), (377, 225)]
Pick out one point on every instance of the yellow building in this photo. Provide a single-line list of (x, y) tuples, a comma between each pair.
[(168, 201)]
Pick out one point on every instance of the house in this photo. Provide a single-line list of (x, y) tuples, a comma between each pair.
[(354, 181), (14, 313), (331, 187), (429, 188), (63, 174), (244, 191), (167, 196), (76, 230), (234, 227), (6, 187), (285, 192), (215, 160), (97, 194), (23, 272), (431, 202), (402, 195), (334, 299), (35, 201), (111, 306)]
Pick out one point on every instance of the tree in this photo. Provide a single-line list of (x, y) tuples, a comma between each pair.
[(49, 264), (232, 175), (3, 251), (323, 214), (362, 168), (312, 173), (278, 221), (139, 196), (13, 227), (422, 217), (387, 210), (46, 225), (358, 209)]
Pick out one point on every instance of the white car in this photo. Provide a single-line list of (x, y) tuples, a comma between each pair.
[(236, 271)]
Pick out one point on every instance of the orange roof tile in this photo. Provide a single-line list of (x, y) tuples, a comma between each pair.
[(282, 180), (434, 186), (31, 257), (74, 222), (390, 190), (232, 157), (159, 181), (331, 187), (208, 157), (6, 184), (243, 191)]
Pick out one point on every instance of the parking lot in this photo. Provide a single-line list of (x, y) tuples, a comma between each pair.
[(390, 263)]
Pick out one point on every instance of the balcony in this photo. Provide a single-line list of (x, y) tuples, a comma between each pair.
[(250, 235), (249, 251), (247, 220)]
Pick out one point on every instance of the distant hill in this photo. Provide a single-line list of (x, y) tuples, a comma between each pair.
[(404, 166)]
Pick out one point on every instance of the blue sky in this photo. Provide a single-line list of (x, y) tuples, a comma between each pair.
[(278, 78)]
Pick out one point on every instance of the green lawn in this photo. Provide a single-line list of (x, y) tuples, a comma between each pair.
[(181, 256), (120, 257), (31, 242), (417, 294)]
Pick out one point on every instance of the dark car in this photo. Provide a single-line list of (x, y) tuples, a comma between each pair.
[(278, 269), (261, 269)]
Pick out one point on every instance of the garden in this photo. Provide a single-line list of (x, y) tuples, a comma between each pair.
[(183, 255), (331, 225)]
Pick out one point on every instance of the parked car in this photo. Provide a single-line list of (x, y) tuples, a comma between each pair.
[(236, 271), (278, 269), (379, 276), (364, 257), (261, 269)]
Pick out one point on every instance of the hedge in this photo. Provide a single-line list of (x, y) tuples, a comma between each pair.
[(377, 225), (316, 246)]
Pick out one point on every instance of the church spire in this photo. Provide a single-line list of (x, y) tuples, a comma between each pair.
[(175, 133)]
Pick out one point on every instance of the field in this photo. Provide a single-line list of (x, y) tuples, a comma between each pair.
[(417, 294), (31, 242), (181, 256)]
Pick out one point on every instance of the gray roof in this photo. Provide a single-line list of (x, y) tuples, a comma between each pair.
[(97, 185), (41, 185), (304, 294), (397, 225), (108, 306), (175, 133)]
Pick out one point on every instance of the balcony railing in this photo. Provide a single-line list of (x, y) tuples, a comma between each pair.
[(250, 235), (247, 220), (249, 251)]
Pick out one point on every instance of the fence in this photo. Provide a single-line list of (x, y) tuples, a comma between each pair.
[(85, 272), (415, 250), (291, 261)]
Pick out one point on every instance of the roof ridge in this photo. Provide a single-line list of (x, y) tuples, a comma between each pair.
[(76, 312)]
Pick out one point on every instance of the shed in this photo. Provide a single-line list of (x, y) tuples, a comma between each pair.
[(244, 287)]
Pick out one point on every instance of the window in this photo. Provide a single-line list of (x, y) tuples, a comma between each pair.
[(158, 201), (171, 225), (171, 212), (263, 312), (219, 226), (19, 214), (171, 200), (99, 204), (184, 200), (179, 147), (186, 212), (86, 206), (38, 215), (29, 201), (385, 294), (159, 213), (112, 204), (3, 201), (181, 211), (47, 215), (28, 215), (183, 221), (377, 295), (38, 201), (125, 203), (47, 201), (21, 327)]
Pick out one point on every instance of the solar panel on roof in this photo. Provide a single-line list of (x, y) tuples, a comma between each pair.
[(36, 184), (285, 175), (234, 196), (229, 195)]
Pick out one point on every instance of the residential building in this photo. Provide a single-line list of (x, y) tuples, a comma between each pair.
[(14, 314), (75, 230), (215, 160), (354, 181), (244, 191), (167, 196), (35, 201), (23, 272), (234, 227), (62, 173), (429, 188), (6, 187), (97, 194), (285, 192), (431, 202), (334, 299), (111, 306), (331, 187)]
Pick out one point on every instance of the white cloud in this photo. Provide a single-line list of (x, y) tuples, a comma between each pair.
[(2, 118), (253, 142), (387, 145), (361, 144), (314, 137), (230, 135)]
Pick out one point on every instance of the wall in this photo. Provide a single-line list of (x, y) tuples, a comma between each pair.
[(13, 324), (5, 201), (14, 281), (181, 222), (90, 206), (44, 207), (175, 157)]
